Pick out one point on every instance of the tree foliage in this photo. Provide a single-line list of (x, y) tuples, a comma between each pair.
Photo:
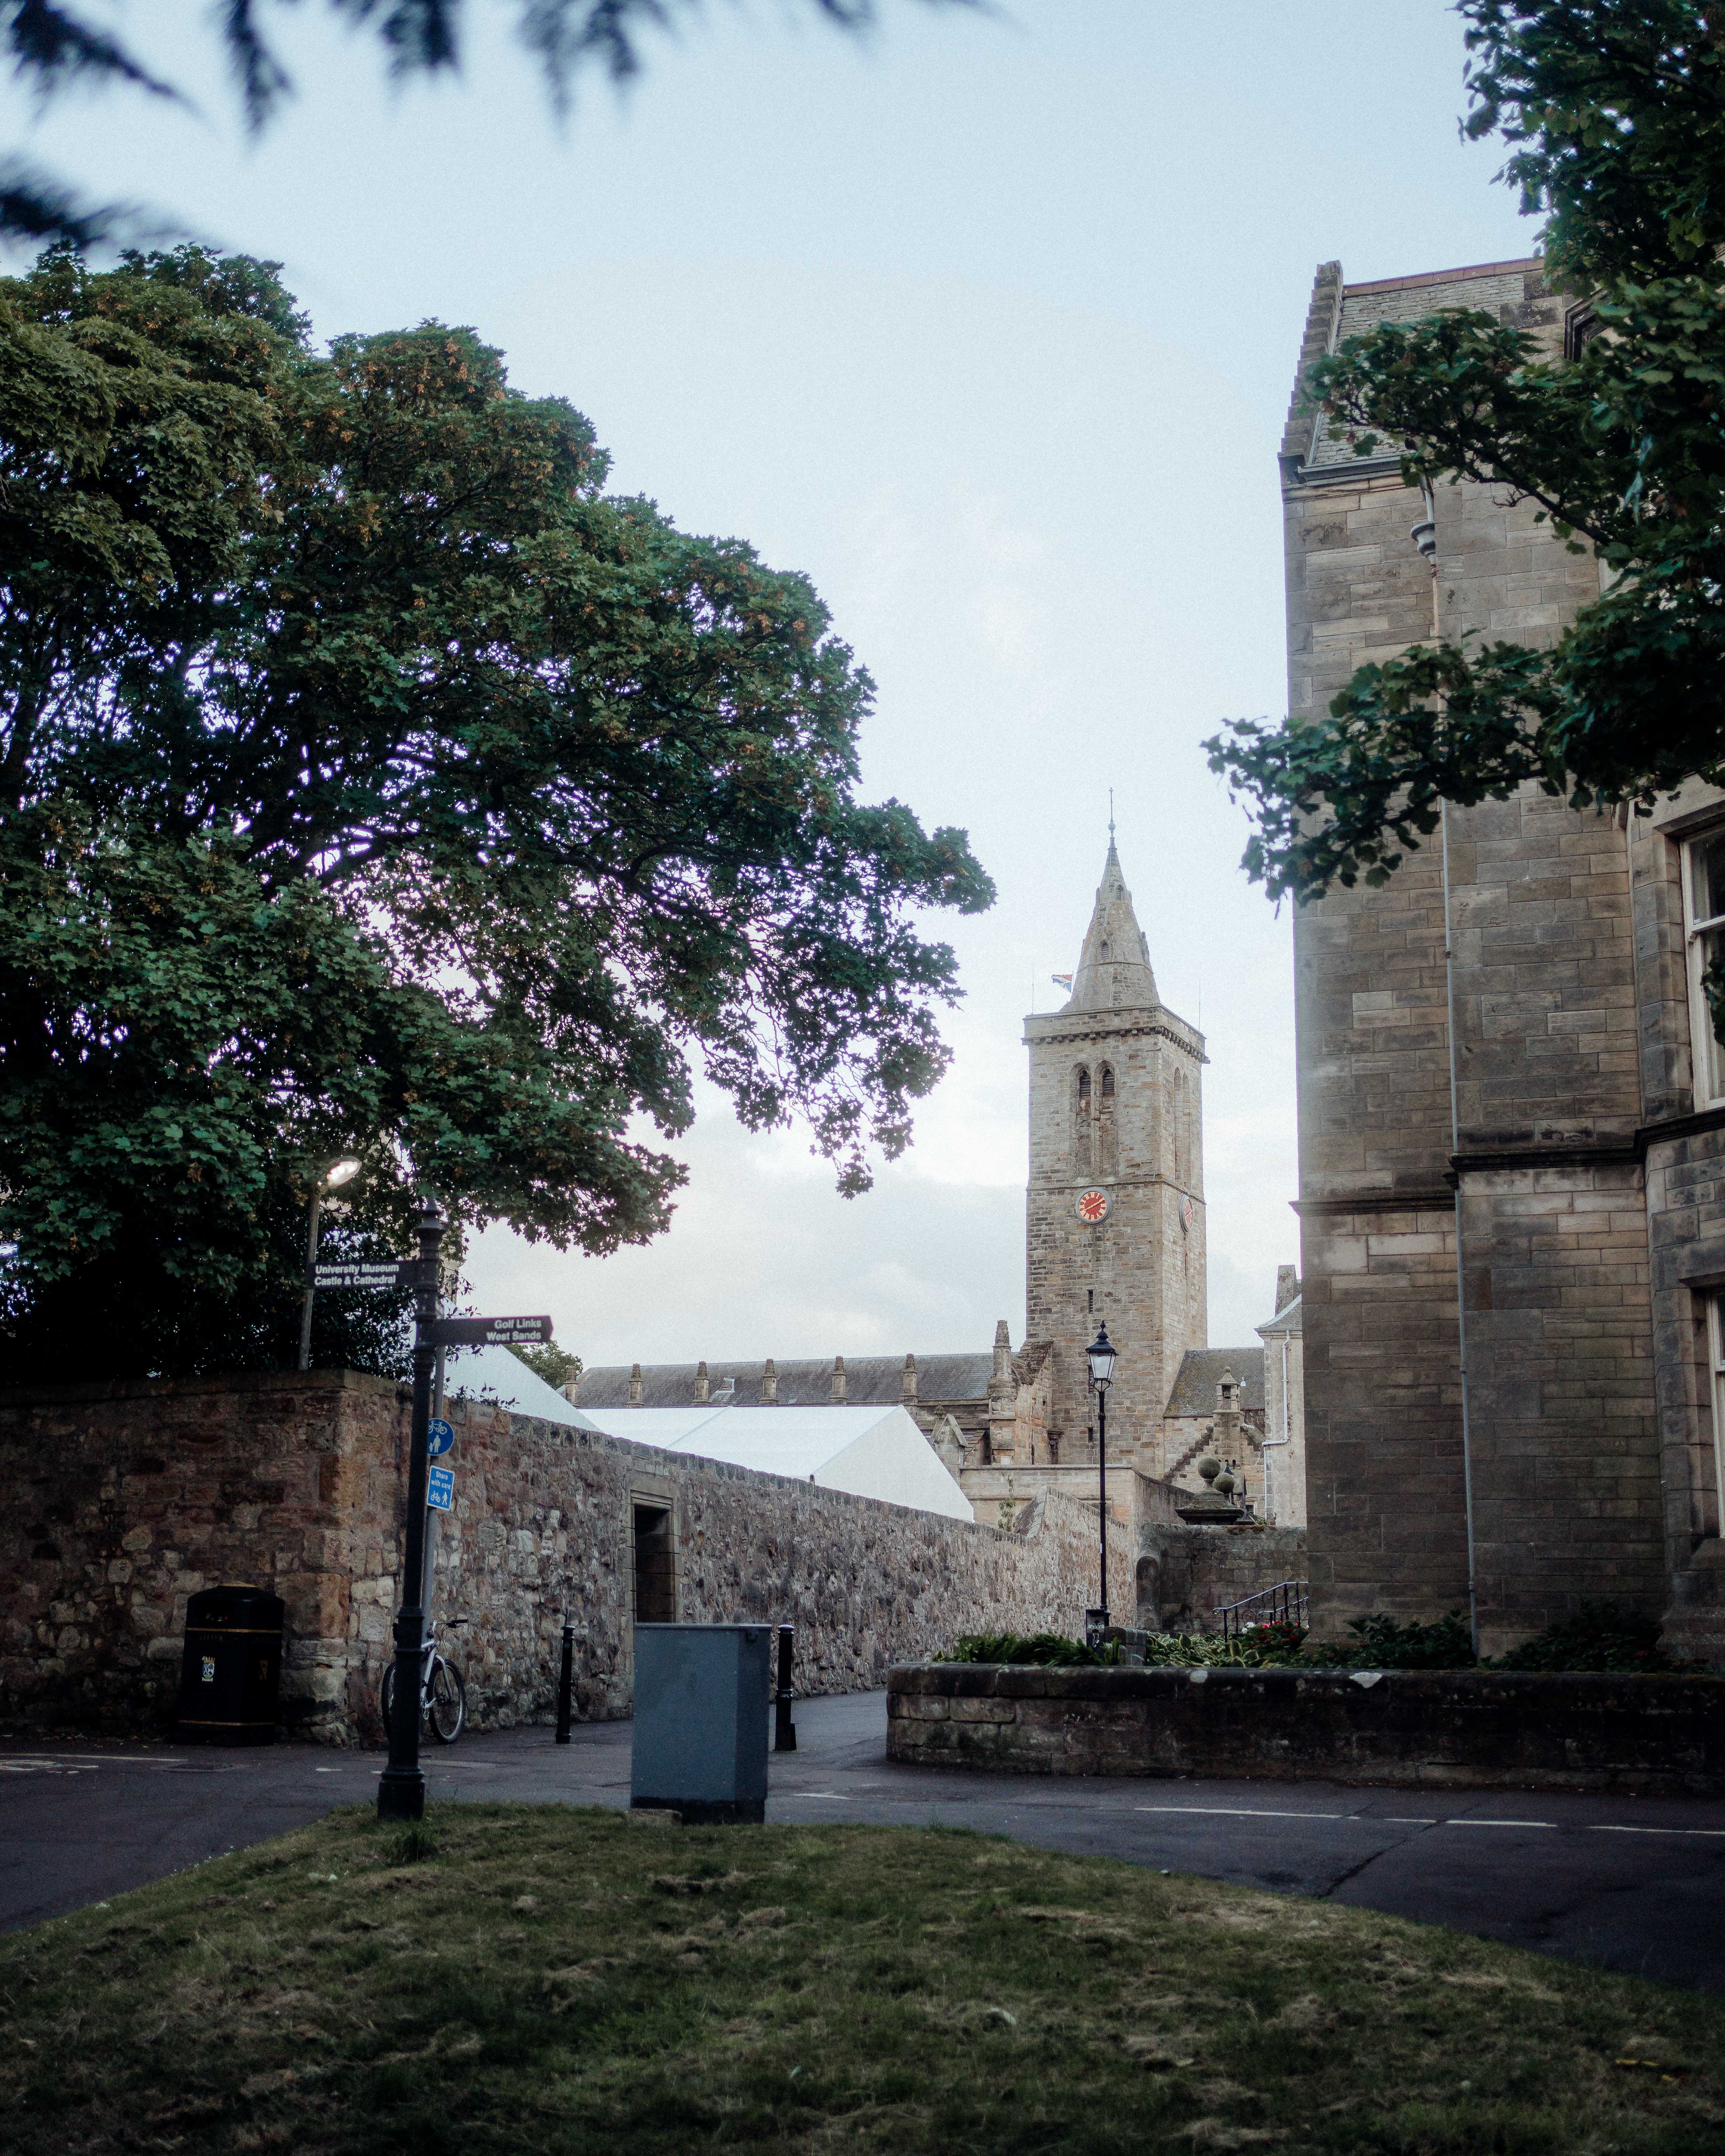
[(372, 781), (54, 47), (1614, 114)]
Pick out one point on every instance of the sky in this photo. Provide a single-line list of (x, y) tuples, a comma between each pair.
[(988, 323)]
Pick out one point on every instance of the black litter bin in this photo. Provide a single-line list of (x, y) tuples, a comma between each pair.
[(230, 1679)]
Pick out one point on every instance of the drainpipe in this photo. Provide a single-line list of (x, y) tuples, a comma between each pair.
[(1424, 535)]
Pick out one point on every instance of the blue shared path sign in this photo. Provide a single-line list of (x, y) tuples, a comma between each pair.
[(438, 1437), (440, 1488)]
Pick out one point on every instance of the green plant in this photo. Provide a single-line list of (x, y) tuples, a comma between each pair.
[(413, 1845), (1384, 1643), (1599, 1635), (1278, 1641), (1041, 1650)]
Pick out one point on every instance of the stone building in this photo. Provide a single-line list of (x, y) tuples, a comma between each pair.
[(1511, 1105), (1115, 1206), (1114, 1234)]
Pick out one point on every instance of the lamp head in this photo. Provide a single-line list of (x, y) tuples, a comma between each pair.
[(1101, 1355), (340, 1171)]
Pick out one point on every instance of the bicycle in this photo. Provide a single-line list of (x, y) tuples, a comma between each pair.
[(443, 1695)]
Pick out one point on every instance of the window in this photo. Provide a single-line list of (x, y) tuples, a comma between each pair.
[(1707, 1510), (1107, 1083), (1054, 1448), (1704, 918)]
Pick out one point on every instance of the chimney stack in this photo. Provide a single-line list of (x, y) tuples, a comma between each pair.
[(910, 1381), (703, 1391), (635, 1385), (838, 1399), (769, 1384)]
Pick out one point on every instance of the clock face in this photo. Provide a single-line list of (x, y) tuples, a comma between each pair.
[(1092, 1207)]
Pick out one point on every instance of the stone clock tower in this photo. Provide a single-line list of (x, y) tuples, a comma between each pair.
[(1116, 1214)]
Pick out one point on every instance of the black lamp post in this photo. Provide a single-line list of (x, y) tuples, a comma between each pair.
[(401, 1789), (1100, 1353)]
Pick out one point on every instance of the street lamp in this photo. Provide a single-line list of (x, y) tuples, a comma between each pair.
[(1101, 1355), (331, 1174)]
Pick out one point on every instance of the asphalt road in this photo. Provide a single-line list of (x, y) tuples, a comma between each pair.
[(1633, 1884)]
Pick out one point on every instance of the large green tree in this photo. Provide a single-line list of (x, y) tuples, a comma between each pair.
[(1614, 112), (371, 779)]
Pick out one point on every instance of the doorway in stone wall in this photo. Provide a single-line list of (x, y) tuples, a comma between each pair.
[(656, 1570)]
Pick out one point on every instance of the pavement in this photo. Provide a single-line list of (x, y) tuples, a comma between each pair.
[(1635, 1884)]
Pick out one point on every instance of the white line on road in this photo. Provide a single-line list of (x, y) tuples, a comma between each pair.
[(1712, 1833), (1236, 1811), (1396, 1818), (1497, 1822)]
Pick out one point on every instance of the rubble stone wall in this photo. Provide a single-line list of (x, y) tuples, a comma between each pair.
[(1424, 1729), (128, 1499)]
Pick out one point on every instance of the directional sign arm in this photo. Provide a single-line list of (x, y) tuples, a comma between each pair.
[(491, 1331)]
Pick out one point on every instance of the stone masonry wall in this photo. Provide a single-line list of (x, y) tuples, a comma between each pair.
[(1186, 1574), (1561, 1396), (128, 1499)]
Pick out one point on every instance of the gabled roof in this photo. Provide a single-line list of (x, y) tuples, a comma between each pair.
[(1288, 1319), (1200, 1372), (869, 1381)]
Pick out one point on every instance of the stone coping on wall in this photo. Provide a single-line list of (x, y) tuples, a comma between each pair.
[(1441, 1728)]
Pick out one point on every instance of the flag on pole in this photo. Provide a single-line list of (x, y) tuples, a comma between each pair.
[(1062, 981)]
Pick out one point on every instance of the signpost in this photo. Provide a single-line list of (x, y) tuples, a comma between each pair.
[(371, 1276), (401, 1787), (491, 1331)]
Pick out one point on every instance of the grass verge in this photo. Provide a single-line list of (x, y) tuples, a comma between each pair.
[(529, 1979)]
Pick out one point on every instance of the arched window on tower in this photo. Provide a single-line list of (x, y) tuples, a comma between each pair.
[(1177, 1120), (1108, 1147), (1081, 1119)]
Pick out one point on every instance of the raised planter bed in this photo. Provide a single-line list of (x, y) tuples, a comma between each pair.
[(1456, 1728)]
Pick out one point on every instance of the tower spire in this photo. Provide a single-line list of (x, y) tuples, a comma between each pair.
[(1114, 970)]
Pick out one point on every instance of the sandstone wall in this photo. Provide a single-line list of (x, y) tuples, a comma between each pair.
[(1417, 1728), (1561, 1410), (129, 1499), (1186, 1574)]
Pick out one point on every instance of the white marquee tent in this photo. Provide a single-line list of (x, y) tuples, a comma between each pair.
[(870, 1451)]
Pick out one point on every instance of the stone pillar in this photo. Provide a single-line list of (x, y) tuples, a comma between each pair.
[(635, 1385), (769, 1384), (1003, 1399), (702, 1389), (838, 1399)]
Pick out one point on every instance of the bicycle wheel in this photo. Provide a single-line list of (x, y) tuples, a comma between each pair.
[(447, 1702), (385, 1697)]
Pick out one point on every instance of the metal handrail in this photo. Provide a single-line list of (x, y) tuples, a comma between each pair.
[(1286, 1602)]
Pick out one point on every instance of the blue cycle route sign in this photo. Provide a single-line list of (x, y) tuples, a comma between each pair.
[(440, 1488), (438, 1437)]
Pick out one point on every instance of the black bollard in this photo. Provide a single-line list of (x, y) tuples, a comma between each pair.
[(784, 1732), (566, 1683)]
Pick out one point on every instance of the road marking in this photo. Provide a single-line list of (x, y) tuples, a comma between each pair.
[(1236, 1811), (1395, 1819), (1497, 1822), (1712, 1833), (831, 1796)]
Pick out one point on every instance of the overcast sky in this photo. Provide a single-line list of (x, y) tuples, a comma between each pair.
[(989, 324)]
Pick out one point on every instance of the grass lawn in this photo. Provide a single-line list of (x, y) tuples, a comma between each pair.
[(554, 1979)]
